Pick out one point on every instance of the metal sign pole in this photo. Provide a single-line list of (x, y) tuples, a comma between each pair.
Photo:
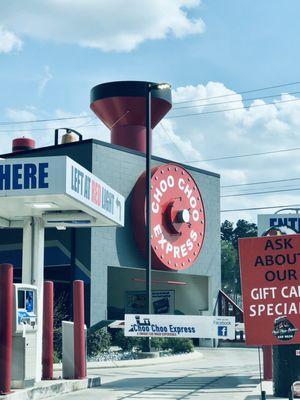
[(148, 202), (262, 392)]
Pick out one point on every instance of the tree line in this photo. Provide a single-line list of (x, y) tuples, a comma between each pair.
[(230, 234)]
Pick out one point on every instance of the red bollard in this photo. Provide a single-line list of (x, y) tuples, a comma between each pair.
[(267, 362), (79, 336), (47, 358), (6, 322)]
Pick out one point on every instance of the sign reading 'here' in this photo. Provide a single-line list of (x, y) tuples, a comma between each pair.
[(270, 272)]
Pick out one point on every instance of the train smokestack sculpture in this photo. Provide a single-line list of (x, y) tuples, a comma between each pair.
[(121, 106), (178, 216), (22, 144)]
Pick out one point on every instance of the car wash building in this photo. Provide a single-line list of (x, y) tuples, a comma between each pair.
[(111, 260)]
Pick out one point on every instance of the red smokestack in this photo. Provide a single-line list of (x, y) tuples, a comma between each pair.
[(122, 107), (22, 144)]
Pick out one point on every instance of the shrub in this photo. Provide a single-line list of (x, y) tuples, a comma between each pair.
[(156, 343), (126, 343), (178, 345), (60, 314), (98, 342), (175, 345), (56, 359)]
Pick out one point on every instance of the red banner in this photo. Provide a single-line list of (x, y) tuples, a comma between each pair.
[(270, 273)]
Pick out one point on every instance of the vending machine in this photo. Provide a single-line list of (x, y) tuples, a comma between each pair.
[(25, 324)]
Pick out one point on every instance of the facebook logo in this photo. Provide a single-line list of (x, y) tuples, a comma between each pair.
[(222, 331)]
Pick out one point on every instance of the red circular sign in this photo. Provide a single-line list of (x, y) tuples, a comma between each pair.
[(177, 219)]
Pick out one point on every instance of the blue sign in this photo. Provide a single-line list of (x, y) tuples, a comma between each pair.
[(22, 315), (222, 331), (24, 176), (29, 300)]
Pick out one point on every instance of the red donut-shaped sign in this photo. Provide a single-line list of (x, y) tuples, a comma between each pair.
[(177, 219)]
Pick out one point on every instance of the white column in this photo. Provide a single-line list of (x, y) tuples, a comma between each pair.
[(33, 274), (27, 251), (38, 280)]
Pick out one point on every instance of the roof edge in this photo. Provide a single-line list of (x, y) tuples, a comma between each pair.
[(112, 146)]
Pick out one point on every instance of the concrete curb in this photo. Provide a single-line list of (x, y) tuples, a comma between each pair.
[(267, 386), (52, 388), (139, 362), (46, 389)]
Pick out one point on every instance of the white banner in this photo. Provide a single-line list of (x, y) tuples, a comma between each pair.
[(42, 178), (93, 192), (284, 224), (189, 326)]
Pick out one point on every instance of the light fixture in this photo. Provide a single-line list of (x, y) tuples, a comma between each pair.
[(161, 86), (67, 218), (68, 222), (61, 228), (42, 206)]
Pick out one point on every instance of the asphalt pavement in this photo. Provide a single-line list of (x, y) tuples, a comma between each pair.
[(225, 374)]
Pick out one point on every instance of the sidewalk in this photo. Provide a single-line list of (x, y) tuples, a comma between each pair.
[(48, 389), (138, 362), (268, 388)]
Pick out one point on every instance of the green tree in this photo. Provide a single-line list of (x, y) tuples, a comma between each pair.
[(230, 234), (243, 229), (229, 265), (98, 342), (60, 314), (227, 231)]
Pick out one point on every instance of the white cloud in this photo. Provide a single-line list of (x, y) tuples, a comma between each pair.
[(170, 144), (28, 114), (202, 137), (43, 133), (44, 80), (275, 126), (259, 128), (9, 41), (109, 26), (10, 132)]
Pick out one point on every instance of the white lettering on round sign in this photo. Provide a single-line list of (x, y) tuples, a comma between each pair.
[(177, 218)]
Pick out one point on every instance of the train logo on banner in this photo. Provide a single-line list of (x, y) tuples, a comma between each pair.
[(178, 218)]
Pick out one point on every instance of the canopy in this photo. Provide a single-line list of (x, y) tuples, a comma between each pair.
[(59, 190)]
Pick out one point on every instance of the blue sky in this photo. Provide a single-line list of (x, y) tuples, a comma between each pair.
[(52, 53), (246, 44)]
